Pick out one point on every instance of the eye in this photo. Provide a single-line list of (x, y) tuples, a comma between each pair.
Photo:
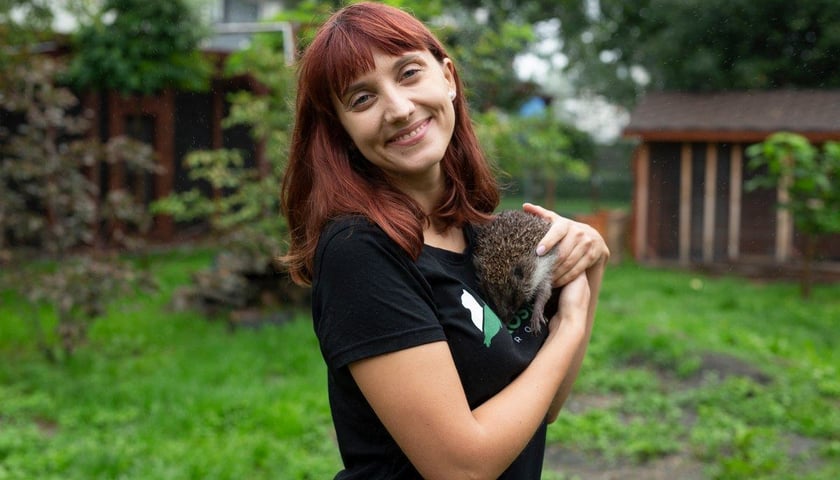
[(517, 272), (360, 100), (410, 72)]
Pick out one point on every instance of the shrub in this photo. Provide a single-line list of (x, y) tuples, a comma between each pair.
[(51, 202), (242, 204)]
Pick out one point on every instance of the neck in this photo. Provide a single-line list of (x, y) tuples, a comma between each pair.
[(427, 193), (451, 239)]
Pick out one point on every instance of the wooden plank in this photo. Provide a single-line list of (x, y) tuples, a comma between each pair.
[(709, 197), (735, 189), (685, 204), (217, 109), (784, 220), (641, 198), (165, 149)]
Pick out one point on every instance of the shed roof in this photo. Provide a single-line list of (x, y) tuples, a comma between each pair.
[(736, 116)]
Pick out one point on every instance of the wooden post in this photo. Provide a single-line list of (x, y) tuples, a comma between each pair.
[(93, 103), (116, 171), (165, 149), (116, 122), (685, 204), (162, 109), (784, 220), (218, 107), (735, 189), (709, 192), (642, 171)]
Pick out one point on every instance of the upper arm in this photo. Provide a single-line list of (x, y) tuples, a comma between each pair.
[(417, 394)]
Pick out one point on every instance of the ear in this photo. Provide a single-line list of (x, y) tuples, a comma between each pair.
[(449, 74)]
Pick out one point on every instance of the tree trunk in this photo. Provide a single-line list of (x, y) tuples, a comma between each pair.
[(810, 252)]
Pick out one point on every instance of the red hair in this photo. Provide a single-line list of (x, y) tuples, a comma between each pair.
[(325, 179)]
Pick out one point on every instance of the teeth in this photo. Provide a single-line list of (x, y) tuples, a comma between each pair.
[(408, 135)]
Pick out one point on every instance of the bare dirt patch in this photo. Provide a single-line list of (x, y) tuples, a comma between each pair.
[(590, 467), (573, 464)]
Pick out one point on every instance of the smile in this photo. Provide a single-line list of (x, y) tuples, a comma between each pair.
[(411, 136)]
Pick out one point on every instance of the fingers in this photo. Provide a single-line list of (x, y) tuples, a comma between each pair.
[(559, 226), (581, 248), (578, 245)]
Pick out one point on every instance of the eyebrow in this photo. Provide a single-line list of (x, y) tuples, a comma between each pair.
[(401, 62)]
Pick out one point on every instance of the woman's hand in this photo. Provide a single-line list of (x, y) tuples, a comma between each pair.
[(573, 308), (579, 246)]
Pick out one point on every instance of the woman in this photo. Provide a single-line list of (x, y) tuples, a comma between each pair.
[(384, 184)]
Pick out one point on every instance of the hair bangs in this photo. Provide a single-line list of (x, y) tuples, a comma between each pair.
[(352, 38)]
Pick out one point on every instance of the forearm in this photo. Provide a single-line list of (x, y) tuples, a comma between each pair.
[(595, 276), (515, 413)]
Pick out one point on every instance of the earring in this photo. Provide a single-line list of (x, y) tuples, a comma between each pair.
[(452, 95)]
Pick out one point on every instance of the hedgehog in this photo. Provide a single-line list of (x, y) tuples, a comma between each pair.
[(508, 268)]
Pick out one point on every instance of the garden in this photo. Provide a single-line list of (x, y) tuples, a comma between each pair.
[(687, 376), (122, 357)]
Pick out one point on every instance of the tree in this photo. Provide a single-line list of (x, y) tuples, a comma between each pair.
[(535, 147), (700, 45), (242, 205), (485, 54), (49, 199), (23, 23), (140, 47), (811, 179)]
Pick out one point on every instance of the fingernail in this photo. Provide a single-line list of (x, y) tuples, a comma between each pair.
[(540, 249)]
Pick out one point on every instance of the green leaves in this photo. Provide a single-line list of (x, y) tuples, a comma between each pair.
[(140, 46), (49, 199), (240, 201), (701, 45), (484, 55), (811, 176), (535, 148)]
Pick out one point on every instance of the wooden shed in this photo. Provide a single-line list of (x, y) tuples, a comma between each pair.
[(174, 123), (690, 206)]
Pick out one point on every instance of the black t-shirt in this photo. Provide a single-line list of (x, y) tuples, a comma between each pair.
[(371, 298)]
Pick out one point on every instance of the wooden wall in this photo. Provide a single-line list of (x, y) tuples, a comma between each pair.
[(690, 207)]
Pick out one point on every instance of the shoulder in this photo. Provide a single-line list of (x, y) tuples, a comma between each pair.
[(343, 228), (354, 242), (351, 233)]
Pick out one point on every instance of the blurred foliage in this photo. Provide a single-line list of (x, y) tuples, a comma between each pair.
[(140, 46), (240, 202), (811, 178), (700, 45), (484, 56), (537, 147), (50, 201), (23, 23)]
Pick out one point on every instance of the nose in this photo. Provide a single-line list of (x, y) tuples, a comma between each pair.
[(399, 106)]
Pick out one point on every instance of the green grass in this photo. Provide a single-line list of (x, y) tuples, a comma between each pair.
[(162, 395), (165, 395), (568, 207), (768, 408)]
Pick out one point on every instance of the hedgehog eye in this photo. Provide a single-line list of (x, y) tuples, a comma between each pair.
[(517, 272)]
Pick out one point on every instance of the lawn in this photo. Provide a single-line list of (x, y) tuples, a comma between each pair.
[(732, 378)]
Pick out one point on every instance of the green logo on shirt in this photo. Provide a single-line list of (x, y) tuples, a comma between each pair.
[(482, 316)]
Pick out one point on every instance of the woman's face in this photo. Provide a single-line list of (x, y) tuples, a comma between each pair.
[(400, 114)]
